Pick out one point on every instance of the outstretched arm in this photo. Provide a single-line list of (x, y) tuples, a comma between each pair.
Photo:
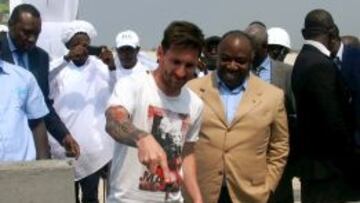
[(121, 129)]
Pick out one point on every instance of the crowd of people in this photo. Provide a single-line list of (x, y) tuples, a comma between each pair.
[(231, 118)]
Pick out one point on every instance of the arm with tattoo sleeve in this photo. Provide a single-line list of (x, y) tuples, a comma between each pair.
[(150, 153), (120, 127)]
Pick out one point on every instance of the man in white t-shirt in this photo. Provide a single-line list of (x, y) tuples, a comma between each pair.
[(127, 50), (155, 121)]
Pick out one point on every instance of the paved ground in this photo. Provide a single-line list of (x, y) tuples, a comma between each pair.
[(296, 186)]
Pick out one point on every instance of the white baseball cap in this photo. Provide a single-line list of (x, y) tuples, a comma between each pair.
[(127, 38)]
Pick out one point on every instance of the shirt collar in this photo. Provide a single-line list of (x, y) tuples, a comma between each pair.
[(223, 86), (2, 68), (266, 64), (340, 52), (12, 46), (319, 46)]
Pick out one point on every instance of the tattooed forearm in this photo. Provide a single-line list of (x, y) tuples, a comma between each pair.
[(119, 126)]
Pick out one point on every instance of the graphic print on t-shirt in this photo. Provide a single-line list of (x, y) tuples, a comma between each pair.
[(169, 129)]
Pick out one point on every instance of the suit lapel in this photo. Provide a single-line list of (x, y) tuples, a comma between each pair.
[(276, 74), (33, 60), (5, 52), (210, 95), (250, 99)]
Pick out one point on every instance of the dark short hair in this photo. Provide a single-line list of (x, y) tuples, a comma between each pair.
[(22, 8), (258, 34), (183, 34), (318, 22), (351, 41), (256, 22), (212, 41)]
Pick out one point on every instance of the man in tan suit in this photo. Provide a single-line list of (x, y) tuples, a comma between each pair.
[(243, 141)]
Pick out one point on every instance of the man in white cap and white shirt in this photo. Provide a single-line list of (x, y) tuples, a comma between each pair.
[(80, 86), (279, 45), (127, 49)]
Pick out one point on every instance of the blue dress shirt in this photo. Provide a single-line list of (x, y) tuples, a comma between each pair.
[(265, 73), (21, 99), (230, 98)]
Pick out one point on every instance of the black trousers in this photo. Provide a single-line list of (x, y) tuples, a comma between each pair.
[(89, 188), (284, 190), (330, 190)]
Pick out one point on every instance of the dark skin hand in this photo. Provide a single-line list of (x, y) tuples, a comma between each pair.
[(72, 148), (78, 55), (107, 57)]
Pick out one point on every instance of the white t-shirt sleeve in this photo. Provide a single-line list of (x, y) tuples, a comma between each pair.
[(124, 94), (35, 106), (193, 133)]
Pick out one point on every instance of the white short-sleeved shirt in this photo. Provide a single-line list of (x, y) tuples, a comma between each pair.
[(80, 96), (122, 72), (20, 99), (171, 120)]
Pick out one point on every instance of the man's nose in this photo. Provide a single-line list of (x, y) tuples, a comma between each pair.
[(180, 72), (32, 38), (233, 65)]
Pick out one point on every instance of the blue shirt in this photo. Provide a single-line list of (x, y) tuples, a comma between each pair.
[(15, 56), (230, 98), (21, 99), (265, 73)]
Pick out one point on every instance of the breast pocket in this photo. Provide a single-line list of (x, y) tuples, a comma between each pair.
[(19, 97)]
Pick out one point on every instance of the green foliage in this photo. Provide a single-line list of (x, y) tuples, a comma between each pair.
[(4, 8)]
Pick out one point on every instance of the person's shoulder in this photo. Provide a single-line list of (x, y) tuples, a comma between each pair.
[(264, 86), (190, 98), (312, 53), (281, 65), (95, 60), (136, 79), (98, 64), (351, 52), (143, 76), (198, 83), (313, 59), (194, 98), (41, 52), (17, 71), (143, 66)]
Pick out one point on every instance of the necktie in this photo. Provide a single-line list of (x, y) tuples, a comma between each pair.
[(20, 58), (258, 70), (337, 62)]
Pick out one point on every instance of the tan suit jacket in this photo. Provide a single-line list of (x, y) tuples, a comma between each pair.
[(250, 152)]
